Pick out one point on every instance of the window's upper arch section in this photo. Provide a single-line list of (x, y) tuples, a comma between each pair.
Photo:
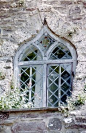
[(38, 45), (45, 44), (59, 51), (32, 53)]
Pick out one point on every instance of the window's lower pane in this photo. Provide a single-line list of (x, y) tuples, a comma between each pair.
[(59, 84), (31, 84)]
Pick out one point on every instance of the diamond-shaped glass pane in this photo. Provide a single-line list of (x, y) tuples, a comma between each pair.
[(65, 87), (65, 75), (53, 87), (31, 84), (60, 52), (52, 99), (32, 54)]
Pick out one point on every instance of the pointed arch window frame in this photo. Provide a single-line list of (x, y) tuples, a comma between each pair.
[(21, 51)]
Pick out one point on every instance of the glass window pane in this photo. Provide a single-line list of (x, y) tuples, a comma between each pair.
[(31, 84), (59, 84), (32, 54), (53, 86), (60, 52), (65, 82)]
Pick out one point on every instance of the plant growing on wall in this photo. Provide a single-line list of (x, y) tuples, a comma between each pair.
[(13, 99), (73, 103)]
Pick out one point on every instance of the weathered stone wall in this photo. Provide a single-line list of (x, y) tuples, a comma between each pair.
[(21, 20), (42, 121)]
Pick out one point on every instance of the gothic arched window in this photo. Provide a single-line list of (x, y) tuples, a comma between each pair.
[(45, 66)]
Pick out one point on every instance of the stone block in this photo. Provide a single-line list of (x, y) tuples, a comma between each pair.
[(84, 4), (4, 116), (48, 114), (75, 10), (83, 132), (72, 131), (54, 131), (55, 124), (29, 115), (6, 130), (35, 127), (68, 120), (66, 2), (80, 120), (77, 126), (30, 9), (39, 132)]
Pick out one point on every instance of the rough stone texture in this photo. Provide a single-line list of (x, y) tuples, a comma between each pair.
[(83, 131), (21, 21), (16, 122), (29, 127), (71, 131), (4, 116), (55, 124)]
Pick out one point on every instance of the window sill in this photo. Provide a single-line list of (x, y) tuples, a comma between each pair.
[(31, 110)]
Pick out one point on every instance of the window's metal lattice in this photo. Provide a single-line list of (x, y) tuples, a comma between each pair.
[(59, 84), (32, 84), (58, 76), (60, 52), (32, 54)]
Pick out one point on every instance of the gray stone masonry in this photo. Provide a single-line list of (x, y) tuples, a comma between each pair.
[(20, 21), (41, 121)]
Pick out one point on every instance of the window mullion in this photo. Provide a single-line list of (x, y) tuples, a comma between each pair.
[(44, 85), (59, 84)]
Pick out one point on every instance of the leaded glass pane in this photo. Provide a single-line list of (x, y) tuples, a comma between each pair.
[(59, 84), (60, 52), (53, 86), (31, 84), (65, 82), (45, 42), (31, 54)]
